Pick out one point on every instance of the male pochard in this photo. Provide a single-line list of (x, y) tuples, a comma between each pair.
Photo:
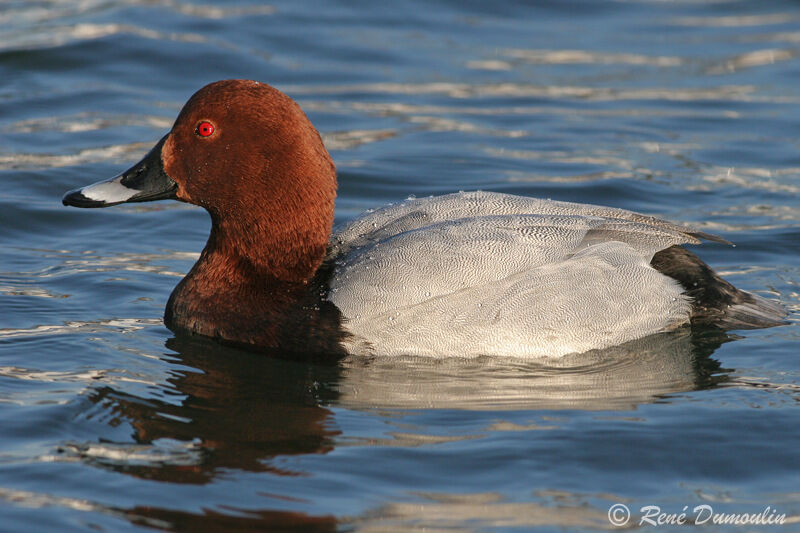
[(463, 274)]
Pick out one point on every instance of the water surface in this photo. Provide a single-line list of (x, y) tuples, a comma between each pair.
[(687, 110)]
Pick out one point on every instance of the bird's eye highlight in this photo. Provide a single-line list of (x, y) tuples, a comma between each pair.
[(205, 129)]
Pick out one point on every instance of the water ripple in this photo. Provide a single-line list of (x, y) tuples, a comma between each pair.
[(119, 325), (737, 21), (88, 121), (570, 57), (732, 93), (30, 13), (116, 152), (62, 35)]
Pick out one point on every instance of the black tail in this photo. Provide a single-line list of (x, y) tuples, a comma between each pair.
[(715, 301)]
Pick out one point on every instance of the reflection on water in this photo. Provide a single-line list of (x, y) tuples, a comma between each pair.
[(621, 377), (211, 521), (224, 410), (687, 110), (449, 511), (236, 410)]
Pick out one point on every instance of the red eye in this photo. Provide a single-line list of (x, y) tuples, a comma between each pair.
[(204, 129)]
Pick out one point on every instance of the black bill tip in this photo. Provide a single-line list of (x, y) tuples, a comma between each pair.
[(143, 182), (75, 198)]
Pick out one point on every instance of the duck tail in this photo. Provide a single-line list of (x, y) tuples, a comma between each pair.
[(716, 302), (753, 312)]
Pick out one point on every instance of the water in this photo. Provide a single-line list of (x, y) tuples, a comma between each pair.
[(687, 110)]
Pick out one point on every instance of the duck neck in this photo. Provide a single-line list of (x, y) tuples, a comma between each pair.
[(252, 286), (285, 251)]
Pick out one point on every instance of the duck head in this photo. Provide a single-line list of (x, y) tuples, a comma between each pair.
[(248, 154)]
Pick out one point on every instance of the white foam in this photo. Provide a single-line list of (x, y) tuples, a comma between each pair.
[(109, 191)]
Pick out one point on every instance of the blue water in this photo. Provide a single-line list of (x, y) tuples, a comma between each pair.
[(688, 110)]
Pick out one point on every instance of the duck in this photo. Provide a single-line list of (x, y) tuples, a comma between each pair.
[(465, 274)]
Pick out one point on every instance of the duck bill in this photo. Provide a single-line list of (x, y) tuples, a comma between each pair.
[(143, 182)]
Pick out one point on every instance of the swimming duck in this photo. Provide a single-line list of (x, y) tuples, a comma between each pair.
[(464, 274)]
